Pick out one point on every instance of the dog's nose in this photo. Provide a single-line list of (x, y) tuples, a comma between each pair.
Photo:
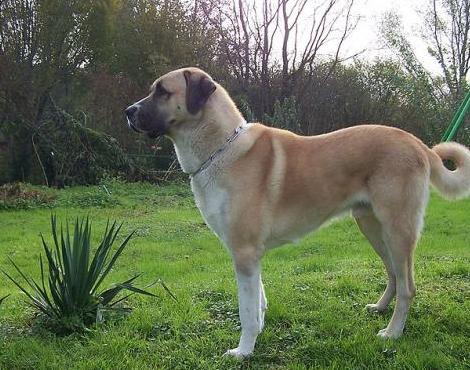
[(130, 111)]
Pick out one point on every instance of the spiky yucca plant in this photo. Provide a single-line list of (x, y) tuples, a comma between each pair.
[(3, 298), (70, 295)]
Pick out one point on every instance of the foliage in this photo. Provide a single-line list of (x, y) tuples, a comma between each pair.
[(285, 115), (464, 135), (409, 102), (73, 299), (93, 58), (73, 154), (245, 109), (446, 32), (22, 196), (42, 43), (97, 57)]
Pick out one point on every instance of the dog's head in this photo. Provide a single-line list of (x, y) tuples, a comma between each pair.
[(175, 99)]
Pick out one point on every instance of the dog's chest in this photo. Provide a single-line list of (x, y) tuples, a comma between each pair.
[(213, 203)]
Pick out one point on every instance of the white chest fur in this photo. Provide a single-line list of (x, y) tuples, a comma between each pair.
[(213, 203)]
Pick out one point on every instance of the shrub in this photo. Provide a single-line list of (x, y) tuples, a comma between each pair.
[(285, 115), (60, 150), (244, 107), (72, 300), (22, 196)]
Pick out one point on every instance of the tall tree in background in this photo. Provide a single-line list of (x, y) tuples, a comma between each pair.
[(146, 39), (330, 21), (446, 32), (262, 39), (42, 44), (89, 57), (281, 60), (447, 29)]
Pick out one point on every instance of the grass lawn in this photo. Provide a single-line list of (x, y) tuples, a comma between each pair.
[(316, 291)]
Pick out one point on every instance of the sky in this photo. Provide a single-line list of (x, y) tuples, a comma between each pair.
[(366, 35)]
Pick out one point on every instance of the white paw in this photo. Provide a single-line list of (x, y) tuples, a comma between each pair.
[(375, 308), (389, 334), (237, 353)]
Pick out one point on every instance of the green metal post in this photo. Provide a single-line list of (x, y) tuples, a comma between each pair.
[(457, 119), (454, 118)]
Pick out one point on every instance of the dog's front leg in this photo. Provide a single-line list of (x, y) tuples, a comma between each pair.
[(249, 283), (263, 304)]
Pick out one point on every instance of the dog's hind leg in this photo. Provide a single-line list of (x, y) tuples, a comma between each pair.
[(401, 252), (372, 229), (401, 226)]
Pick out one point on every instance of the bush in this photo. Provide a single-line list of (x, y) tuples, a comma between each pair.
[(285, 115), (24, 196), (73, 154), (72, 300)]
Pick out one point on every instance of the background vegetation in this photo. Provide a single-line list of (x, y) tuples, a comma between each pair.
[(67, 71), (69, 68)]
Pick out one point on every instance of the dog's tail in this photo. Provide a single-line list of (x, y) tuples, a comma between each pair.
[(451, 184)]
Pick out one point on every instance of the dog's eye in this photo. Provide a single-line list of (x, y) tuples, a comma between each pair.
[(160, 91)]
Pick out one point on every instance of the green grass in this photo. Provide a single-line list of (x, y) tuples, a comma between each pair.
[(316, 290)]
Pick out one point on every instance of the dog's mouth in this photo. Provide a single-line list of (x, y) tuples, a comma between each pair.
[(154, 134), (131, 125), (134, 128)]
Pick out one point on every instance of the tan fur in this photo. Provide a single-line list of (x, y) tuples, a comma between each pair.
[(452, 184), (272, 187)]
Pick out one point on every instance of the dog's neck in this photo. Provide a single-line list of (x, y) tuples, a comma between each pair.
[(217, 123)]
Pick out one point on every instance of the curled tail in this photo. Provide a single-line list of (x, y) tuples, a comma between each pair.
[(451, 184)]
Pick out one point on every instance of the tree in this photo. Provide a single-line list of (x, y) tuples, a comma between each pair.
[(42, 44), (330, 20), (447, 29), (260, 41), (446, 32)]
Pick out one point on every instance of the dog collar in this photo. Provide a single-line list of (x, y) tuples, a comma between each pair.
[(216, 153)]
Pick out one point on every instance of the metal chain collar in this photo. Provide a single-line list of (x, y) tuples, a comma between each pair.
[(236, 133)]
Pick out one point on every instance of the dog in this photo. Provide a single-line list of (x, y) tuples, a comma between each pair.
[(259, 187)]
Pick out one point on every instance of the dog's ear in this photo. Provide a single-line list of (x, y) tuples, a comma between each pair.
[(198, 89)]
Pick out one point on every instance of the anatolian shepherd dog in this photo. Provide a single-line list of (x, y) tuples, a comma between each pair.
[(259, 187)]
